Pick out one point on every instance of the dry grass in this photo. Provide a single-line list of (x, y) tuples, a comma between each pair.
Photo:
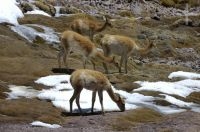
[(160, 71), (168, 3), (125, 13), (179, 3), (45, 7), (125, 122), (150, 93), (30, 109), (54, 23), (194, 97), (3, 88), (193, 3)]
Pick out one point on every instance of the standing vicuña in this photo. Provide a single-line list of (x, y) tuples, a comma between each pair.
[(96, 82), (89, 27), (72, 41), (122, 46)]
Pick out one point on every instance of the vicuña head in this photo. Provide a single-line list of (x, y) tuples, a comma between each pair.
[(122, 46), (72, 41), (96, 82), (89, 27)]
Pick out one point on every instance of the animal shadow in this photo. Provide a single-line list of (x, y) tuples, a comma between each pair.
[(63, 70), (86, 112)]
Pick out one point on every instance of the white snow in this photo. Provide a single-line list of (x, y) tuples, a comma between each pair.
[(9, 12), (176, 88), (60, 92), (53, 80), (21, 91), (26, 32), (177, 102), (182, 74), (40, 12), (30, 33), (42, 124), (57, 11)]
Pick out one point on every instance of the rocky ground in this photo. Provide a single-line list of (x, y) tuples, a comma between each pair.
[(22, 62)]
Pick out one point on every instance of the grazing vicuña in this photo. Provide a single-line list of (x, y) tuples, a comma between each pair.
[(96, 82)]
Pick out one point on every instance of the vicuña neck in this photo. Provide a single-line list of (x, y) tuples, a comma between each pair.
[(102, 57), (113, 96)]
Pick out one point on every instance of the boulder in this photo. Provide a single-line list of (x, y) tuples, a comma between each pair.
[(69, 10), (25, 6), (46, 7)]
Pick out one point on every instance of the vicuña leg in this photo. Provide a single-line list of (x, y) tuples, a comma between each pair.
[(125, 62), (76, 93), (93, 64), (106, 53), (60, 54), (78, 103), (121, 63), (65, 56), (93, 100), (100, 93)]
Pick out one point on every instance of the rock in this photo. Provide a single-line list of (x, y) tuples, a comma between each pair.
[(39, 40), (155, 17), (46, 7), (52, 2), (163, 36), (127, 86), (154, 37), (69, 10), (141, 36), (166, 49), (168, 3), (186, 22), (125, 13), (25, 6), (147, 33)]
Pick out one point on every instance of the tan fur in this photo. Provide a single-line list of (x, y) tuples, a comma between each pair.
[(88, 27), (96, 82), (122, 46), (72, 41)]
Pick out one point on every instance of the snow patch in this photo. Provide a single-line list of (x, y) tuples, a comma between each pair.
[(42, 124), (9, 12), (21, 91), (182, 74), (40, 12), (30, 33)]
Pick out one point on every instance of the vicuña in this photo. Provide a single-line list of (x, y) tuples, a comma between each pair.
[(72, 41), (89, 27), (122, 46), (96, 82)]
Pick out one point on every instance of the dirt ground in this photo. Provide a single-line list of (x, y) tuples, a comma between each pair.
[(182, 122)]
